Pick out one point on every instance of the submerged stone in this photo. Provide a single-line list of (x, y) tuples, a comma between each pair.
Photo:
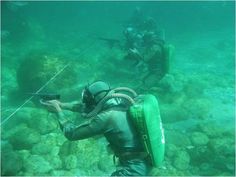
[(42, 122), (171, 150), (70, 162), (182, 160), (199, 139), (22, 137), (11, 164), (37, 165)]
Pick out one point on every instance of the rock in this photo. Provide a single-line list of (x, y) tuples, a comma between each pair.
[(42, 122), (170, 84), (22, 137), (226, 164), (210, 129), (37, 68), (5, 146), (24, 114), (200, 154), (199, 139), (37, 165), (230, 165), (181, 161), (24, 154), (68, 148), (199, 108), (193, 170), (11, 164), (168, 171), (178, 139), (46, 146), (195, 87), (62, 173), (58, 137), (105, 165), (205, 166), (207, 169), (70, 162), (54, 161), (54, 151), (20, 117), (173, 113), (222, 146), (171, 150), (41, 149)]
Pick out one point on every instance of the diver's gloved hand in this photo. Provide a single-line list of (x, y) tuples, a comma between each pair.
[(134, 53), (52, 105)]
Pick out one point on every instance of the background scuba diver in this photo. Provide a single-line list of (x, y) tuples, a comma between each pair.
[(106, 111), (146, 47)]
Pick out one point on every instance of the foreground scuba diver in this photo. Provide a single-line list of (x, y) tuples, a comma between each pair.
[(106, 110)]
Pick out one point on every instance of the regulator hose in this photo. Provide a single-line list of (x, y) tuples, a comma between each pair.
[(109, 96), (126, 89)]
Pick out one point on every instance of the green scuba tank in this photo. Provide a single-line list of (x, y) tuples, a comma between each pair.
[(145, 115), (168, 56)]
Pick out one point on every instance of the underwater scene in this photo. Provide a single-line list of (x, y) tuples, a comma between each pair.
[(182, 52)]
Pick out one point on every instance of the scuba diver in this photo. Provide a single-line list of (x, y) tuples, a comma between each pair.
[(148, 52), (146, 47), (105, 109)]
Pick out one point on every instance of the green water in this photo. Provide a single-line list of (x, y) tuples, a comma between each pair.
[(196, 97)]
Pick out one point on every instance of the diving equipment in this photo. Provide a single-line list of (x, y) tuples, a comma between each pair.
[(94, 93), (145, 115)]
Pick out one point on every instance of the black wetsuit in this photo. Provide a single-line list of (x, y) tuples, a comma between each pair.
[(121, 135)]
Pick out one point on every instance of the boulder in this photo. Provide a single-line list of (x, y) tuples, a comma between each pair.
[(223, 146), (182, 160), (171, 150), (70, 162), (105, 164), (199, 108), (210, 129), (11, 164), (201, 154), (38, 67), (42, 122), (22, 137), (173, 113), (170, 84), (199, 139), (54, 161), (178, 139), (41, 148), (68, 148), (37, 165), (24, 154)]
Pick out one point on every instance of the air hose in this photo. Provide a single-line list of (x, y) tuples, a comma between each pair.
[(112, 94)]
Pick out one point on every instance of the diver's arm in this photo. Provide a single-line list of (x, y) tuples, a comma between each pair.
[(92, 127), (65, 125), (54, 106), (85, 130), (61, 118), (74, 106)]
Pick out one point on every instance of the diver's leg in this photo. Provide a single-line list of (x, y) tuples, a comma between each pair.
[(121, 172), (135, 167)]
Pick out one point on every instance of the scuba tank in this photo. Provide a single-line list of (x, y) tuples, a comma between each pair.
[(168, 56), (145, 115)]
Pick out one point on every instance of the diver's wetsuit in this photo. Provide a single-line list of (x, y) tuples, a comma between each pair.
[(121, 135)]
